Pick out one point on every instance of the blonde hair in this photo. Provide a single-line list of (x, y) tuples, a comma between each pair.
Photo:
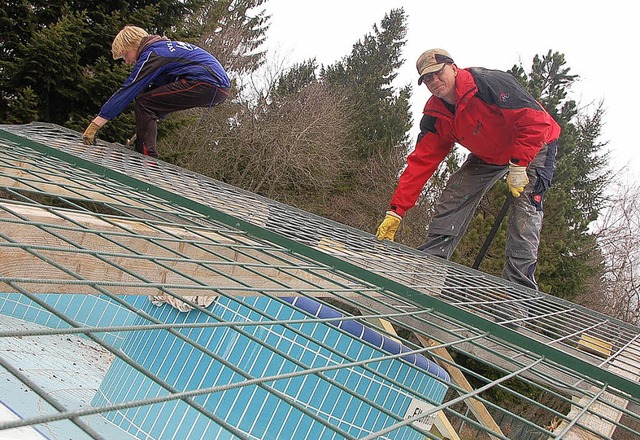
[(128, 38)]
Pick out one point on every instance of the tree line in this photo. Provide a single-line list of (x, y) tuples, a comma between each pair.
[(329, 139)]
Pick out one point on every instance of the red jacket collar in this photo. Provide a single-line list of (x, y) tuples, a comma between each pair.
[(465, 88)]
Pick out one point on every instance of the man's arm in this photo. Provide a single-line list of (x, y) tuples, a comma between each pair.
[(430, 151)]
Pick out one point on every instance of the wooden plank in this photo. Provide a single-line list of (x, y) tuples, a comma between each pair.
[(441, 422), (444, 427), (477, 408), (625, 363), (122, 251), (24, 175), (594, 345)]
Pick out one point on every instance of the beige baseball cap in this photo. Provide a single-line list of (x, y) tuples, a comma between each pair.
[(432, 61)]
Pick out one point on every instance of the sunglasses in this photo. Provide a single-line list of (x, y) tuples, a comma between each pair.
[(428, 77)]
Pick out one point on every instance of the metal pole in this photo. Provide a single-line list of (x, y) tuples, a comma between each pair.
[(494, 229)]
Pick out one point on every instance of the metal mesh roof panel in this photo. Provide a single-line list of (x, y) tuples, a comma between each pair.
[(182, 307)]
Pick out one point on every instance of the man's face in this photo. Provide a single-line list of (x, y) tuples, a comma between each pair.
[(129, 56), (443, 82)]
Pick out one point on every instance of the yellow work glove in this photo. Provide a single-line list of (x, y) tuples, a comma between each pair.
[(389, 226), (517, 179), (89, 135)]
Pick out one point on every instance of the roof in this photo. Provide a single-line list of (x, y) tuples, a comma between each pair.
[(91, 234)]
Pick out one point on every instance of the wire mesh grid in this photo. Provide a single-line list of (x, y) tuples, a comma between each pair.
[(216, 313)]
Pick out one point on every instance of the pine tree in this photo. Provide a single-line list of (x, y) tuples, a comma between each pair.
[(232, 32), (23, 107), (297, 78), (379, 119), (381, 112), (61, 52), (53, 79), (568, 259)]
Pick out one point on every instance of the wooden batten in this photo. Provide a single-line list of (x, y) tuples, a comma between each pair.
[(51, 251)]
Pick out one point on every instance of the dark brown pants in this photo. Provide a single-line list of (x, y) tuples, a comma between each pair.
[(156, 103)]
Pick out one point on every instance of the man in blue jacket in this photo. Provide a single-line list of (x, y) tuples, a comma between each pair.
[(167, 76)]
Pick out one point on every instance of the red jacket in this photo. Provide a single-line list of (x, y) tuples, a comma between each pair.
[(495, 118)]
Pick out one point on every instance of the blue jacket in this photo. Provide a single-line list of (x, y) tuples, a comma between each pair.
[(161, 61)]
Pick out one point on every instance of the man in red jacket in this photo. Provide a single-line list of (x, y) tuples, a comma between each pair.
[(506, 131)]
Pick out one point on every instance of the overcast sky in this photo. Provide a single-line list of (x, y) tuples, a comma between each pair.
[(597, 39)]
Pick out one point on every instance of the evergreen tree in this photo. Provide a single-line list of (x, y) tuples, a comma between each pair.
[(298, 77), (232, 33), (61, 52), (381, 113), (53, 79), (379, 119), (567, 250), (569, 257), (24, 107)]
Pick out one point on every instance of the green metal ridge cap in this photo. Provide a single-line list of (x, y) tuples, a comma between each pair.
[(532, 346)]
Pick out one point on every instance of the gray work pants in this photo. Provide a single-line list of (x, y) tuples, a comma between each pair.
[(462, 195)]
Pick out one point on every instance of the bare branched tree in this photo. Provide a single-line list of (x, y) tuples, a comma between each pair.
[(618, 232), (291, 146), (369, 189), (287, 148)]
